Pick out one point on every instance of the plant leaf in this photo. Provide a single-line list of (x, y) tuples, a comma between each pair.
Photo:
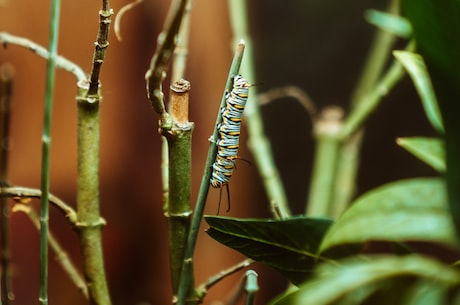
[(392, 23), (333, 283), (289, 246), (415, 66), (406, 210), (436, 27), (429, 150)]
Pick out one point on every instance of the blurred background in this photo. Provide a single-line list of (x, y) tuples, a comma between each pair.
[(317, 45)]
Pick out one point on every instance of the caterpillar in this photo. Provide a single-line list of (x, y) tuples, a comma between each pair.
[(229, 133)]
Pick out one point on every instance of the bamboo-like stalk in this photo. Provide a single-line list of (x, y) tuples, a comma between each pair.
[(46, 145), (258, 142), (6, 88), (186, 274), (327, 131), (180, 161), (90, 223), (89, 220)]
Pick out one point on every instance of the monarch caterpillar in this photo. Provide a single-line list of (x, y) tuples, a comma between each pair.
[(229, 133)]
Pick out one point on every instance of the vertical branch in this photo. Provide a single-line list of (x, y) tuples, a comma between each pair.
[(46, 143), (258, 142), (90, 223), (6, 87)]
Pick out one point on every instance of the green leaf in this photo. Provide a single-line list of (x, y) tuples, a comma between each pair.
[(289, 246), (333, 283), (406, 210), (436, 27), (429, 150), (415, 66), (389, 22)]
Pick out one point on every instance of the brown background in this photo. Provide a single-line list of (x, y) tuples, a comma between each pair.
[(317, 45)]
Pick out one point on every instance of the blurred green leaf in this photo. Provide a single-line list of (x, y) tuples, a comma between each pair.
[(415, 66), (333, 283), (406, 210), (429, 150), (436, 28), (389, 22), (289, 246)]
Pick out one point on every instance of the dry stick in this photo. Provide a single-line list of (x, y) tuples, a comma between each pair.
[(186, 274), (6, 87), (62, 257), (89, 223), (61, 62)]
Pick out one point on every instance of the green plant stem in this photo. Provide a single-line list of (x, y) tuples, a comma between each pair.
[(348, 161), (90, 223), (6, 88), (186, 274), (327, 130), (89, 220), (251, 287), (371, 101), (46, 144), (180, 163), (61, 62), (257, 142), (62, 257)]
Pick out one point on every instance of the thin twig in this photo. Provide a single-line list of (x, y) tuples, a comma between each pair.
[(61, 62), (6, 88), (61, 255), (121, 12), (213, 280), (20, 193), (289, 91)]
